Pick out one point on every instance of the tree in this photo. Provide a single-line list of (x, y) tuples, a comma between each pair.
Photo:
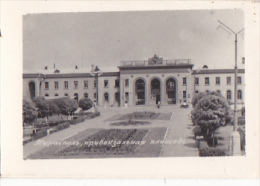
[(85, 103), (66, 105), (29, 112), (200, 95), (211, 112), (52, 108), (42, 106)]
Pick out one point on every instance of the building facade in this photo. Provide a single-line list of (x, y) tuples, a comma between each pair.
[(145, 82)]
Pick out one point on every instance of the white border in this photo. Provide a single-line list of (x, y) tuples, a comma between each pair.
[(13, 164)]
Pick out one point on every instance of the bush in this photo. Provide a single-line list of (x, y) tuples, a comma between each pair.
[(197, 131), (242, 137), (77, 120), (29, 112), (211, 152), (40, 134), (85, 103), (62, 126), (92, 115), (42, 106), (66, 105)]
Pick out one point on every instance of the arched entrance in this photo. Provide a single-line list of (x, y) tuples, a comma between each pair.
[(156, 91), (140, 92), (32, 90), (171, 91)]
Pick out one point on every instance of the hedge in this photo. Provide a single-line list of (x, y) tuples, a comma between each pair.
[(211, 152), (62, 126)]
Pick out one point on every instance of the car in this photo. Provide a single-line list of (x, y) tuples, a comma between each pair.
[(184, 105)]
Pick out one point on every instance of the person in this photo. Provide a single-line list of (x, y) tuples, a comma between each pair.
[(159, 104)]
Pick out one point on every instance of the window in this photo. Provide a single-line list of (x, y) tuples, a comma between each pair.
[(105, 83), (76, 96), (46, 85), (239, 94), (95, 83), (75, 84), (206, 80), (86, 95), (66, 94), (217, 80), (126, 82), (117, 83), (126, 97), (196, 91), (184, 81), (196, 81), (106, 97), (228, 94), (56, 84), (228, 80), (86, 84), (46, 95), (56, 95), (239, 80), (184, 95), (66, 84), (95, 96)]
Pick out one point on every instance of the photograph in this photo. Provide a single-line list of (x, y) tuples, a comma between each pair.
[(133, 84)]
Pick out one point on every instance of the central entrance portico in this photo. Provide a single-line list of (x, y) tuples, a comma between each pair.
[(155, 91)]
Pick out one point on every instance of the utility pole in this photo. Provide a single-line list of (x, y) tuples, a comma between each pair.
[(234, 145)]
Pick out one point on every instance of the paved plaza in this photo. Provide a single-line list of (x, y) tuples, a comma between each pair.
[(177, 130)]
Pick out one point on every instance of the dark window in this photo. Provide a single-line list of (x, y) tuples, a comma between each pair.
[(217, 80), (196, 81), (47, 95), (56, 94), (126, 82), (184, 81), (239, 80), (95, 83), (206, 80), (66, 94), (239, 94), (117, 83), (46, 85), (75, 84), (127, 97), (196, 91), (76, 96), (228, 94), (228, 80), (86, 95), (56, 84), (184, 94), (85, 84), (106, 97), (66, 84), (106, 83)]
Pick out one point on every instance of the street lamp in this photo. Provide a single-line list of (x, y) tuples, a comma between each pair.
[(234, 145)]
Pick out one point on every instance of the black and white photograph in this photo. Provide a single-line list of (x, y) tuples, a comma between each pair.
[(114, 90), (134, 84)]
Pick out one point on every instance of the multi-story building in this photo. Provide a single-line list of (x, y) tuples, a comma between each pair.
[(136, 83)]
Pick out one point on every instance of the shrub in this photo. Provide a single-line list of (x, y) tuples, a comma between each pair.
[(29, 112), (77, 120), (66, 105), (40, 134), (211, 152), (85, 103), (62, 126), (93, 115)]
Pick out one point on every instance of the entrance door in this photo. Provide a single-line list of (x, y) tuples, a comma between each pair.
[(171, 91), (155, 91), (140, 92)]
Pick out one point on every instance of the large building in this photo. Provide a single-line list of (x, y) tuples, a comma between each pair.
[(136, 83)]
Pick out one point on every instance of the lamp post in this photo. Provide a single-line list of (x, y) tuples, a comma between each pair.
[(96, 73), (234, 144)]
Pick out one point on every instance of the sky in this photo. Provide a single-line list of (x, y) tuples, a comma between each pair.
[(106, 38)]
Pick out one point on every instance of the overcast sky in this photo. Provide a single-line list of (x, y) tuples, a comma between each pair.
[(105, 39)]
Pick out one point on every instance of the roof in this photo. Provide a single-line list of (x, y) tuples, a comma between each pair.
[(33, 75), (174, 66), (217, 71)]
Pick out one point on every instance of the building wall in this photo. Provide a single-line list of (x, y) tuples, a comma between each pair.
[(223, 87), (71, 90), (111, 90), (148, 76), (38, 87)]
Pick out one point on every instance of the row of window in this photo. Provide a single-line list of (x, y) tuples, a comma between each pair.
[(229, 94), (217, 80), (85, 84)]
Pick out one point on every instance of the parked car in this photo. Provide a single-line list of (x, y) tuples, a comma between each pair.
[(184, 105)]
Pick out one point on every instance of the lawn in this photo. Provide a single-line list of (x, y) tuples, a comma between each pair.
[(142, 116)]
